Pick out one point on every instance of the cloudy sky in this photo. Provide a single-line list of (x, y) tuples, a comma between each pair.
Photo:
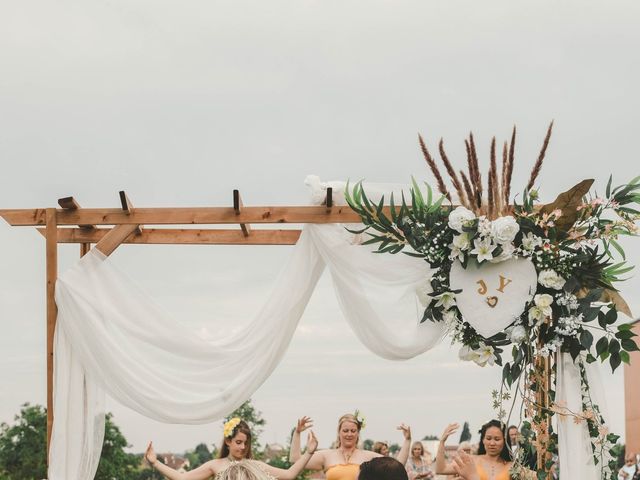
[(180, 102)]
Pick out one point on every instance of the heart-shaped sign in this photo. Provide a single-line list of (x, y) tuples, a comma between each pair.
[(493, 294)]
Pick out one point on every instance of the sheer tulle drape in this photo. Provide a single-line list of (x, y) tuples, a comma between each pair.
[(113, 338)]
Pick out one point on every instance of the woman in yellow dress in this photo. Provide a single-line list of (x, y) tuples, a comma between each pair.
[(236, 447), (493, 461), (343, 462)]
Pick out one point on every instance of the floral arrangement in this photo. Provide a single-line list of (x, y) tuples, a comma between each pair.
[(572, 243), (230, 426), (360, 419)]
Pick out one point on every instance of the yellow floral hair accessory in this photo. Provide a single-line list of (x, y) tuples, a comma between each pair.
[(360, 419), (230, 426)]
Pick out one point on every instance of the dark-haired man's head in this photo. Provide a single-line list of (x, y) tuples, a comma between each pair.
[(382, 468)]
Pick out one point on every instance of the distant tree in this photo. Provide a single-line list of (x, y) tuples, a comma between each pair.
[(430, 437), (198, 456), (394, 448), (23, 447), (253, 417), (465, 435), (367, 444)]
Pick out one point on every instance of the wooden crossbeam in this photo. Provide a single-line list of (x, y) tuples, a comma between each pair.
[(114, 238), (185, 216), (237, 205), (70, 203), (184, 236)]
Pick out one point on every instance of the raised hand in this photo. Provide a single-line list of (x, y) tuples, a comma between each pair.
[(406, 431), (312, 442), (450, 430), (304, 423), (464, 466), (150, 455)]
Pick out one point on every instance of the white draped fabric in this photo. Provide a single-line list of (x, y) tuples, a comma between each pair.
[(574, 444), (112, 338)]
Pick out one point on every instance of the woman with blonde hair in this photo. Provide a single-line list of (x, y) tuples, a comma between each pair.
[(382, 448), (419, 465), (236, 449), (343, 462)]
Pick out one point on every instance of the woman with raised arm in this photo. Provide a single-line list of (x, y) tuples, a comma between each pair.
[(343, 462), (236, 447), (492, 462)]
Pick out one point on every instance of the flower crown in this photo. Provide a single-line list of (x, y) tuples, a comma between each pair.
[(360, 419), (230, 426)]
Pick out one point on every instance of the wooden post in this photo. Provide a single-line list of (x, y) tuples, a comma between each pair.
[(631, 396), (52, 311)]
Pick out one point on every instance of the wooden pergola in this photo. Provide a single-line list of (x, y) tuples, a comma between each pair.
[(108, 228)]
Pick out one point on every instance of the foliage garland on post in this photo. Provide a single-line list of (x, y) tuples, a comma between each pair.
[(572, 242)]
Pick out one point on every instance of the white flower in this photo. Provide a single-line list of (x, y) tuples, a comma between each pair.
[(484, 226), (458, 246), (550, 279), (536, 315), (543, 300), (446, 300), (484, 355), (459, 218), (504, 229), (461, 241), (507, 253), (531, 241), (467, 354), (483, 249), (422, 292), (518, 334)]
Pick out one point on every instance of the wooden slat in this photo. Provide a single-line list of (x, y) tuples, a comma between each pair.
[(170, 236), (237, 205), (70, 203), (52, 310), (114, 238), (185, 216), (328, 201), (127, 206)]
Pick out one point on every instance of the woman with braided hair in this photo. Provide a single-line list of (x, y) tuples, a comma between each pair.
[(236, 447)]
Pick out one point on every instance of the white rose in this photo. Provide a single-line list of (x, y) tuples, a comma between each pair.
[(536, 315), (460, 217), (550, 279), (504, 229), (461, 241), (543, 300), (518, 334)]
